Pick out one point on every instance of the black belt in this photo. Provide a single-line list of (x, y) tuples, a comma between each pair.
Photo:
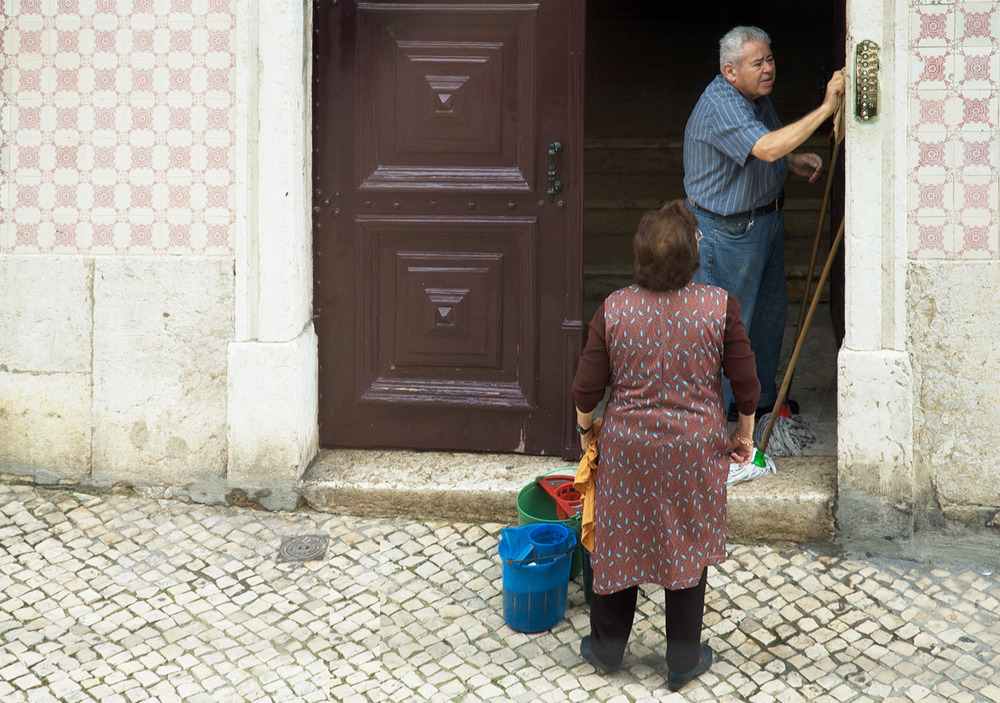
[(773, 206)]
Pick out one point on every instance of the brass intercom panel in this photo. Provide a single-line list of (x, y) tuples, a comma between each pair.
[(866, 80)]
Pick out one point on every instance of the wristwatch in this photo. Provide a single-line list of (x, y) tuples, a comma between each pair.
[(583, 430)]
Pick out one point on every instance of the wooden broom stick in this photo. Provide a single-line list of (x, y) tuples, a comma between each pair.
[(801, 338)]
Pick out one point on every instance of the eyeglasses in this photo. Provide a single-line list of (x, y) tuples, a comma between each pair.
[(698, 235)]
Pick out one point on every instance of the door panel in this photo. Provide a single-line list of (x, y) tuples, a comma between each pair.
[(447, 96), (453, 302), (448, 284)]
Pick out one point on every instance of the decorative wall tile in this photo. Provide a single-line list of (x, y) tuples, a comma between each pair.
[(930, 237), (976, 197), (931, 154), (977, 68), (931, 69), (932, 196), (977, 24), (118, 127), (976, 237), (954, 127), (932, 111), (977, 153), (977, 111), (932, 25)]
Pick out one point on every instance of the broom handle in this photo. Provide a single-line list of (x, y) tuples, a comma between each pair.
[(801, 338), (819, 231)]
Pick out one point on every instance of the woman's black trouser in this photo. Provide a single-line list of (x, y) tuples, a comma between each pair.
[(611, 623)]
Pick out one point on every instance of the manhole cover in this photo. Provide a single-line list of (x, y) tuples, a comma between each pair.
[(303, 548)]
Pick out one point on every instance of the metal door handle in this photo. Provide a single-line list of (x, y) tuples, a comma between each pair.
[(555, 148)]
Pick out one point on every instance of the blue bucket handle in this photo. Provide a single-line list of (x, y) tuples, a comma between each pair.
[(551, 557)]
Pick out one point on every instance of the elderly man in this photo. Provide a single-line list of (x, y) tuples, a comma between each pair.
[(736, 158)]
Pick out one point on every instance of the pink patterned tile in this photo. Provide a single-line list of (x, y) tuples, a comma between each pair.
[(977, 24), (977, 154), (932, 154), (931, 196), (930, 238), (932, 111), (976, 237), (977, 68), (932, 25), (931, 69), (977, 111), (977, 196), (122, 129)]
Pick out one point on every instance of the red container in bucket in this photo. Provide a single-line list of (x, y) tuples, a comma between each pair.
[(568, 500), (535, 505)]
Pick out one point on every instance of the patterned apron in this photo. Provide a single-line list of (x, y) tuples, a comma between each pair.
[(660, 493)]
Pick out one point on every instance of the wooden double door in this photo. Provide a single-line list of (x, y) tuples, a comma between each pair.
[(448, 146)]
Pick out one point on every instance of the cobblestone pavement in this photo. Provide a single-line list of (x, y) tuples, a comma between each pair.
[(123, 598), (418, 617), (120, 599)]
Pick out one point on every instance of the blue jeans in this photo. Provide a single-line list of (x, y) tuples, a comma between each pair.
[(747, 258)]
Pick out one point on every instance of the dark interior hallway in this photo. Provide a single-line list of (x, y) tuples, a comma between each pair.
[(647, 63)]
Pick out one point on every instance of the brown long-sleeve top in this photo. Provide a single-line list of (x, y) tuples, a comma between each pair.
[(594, 370)]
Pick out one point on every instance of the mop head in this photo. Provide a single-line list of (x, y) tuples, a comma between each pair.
[(749, 471), (790, 436)]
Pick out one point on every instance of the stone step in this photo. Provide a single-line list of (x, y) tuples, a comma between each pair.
[(794, 505)]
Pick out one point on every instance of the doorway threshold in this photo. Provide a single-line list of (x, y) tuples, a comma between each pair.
[(794, 505)]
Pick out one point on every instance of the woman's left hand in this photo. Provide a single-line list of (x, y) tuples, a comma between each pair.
[(742, 445)]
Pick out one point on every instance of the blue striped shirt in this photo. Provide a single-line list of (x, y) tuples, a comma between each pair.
[(720, 175)]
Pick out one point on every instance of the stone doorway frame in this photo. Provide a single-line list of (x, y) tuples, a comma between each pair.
[(877, 488), (273, 363)]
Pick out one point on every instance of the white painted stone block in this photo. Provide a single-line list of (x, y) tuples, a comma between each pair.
[(273, 404), (161, 327), (45, 313), (875, 425), (45, 425)]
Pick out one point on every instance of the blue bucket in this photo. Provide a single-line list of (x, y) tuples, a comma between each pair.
[(536, 560)]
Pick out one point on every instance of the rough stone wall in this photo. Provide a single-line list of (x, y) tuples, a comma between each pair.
[(116, 238), (956, 354)]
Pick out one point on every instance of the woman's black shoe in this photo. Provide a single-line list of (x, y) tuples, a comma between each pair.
[(676, 682), (588, 654)]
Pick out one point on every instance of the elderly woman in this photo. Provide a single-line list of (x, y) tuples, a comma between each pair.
[(660, 488)]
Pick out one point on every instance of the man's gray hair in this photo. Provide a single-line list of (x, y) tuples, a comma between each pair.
[(731, 45)]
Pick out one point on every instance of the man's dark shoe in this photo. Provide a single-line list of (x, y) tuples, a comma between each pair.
[(588, 654), (733, 415), (792, 405), (676, 682)]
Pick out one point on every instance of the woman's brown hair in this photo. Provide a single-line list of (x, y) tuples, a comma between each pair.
[(666, 248)]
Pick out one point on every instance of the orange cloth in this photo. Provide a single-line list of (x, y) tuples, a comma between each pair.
[(584, 484)]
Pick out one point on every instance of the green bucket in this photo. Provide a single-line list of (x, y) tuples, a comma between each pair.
[(535, 505)]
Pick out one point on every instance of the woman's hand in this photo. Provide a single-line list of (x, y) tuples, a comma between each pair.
[(742, 439), (742, 449)]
